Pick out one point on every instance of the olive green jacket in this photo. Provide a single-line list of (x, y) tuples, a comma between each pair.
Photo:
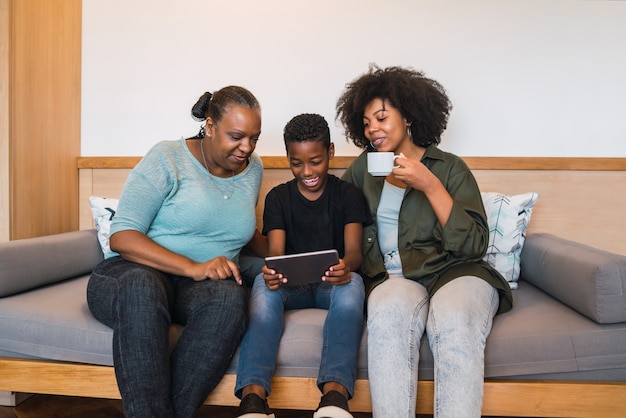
[(431, 254)]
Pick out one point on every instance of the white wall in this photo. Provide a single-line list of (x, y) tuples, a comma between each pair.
[(526, 77)]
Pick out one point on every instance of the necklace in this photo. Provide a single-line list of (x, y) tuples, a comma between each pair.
[(232, 186)]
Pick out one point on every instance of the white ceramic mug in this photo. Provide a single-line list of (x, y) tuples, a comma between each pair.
[(380, 163)]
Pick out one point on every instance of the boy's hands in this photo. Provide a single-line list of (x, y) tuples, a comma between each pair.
[(338, 275), (272, 279)]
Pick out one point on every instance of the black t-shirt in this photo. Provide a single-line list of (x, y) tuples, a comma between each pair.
[(315, 225)]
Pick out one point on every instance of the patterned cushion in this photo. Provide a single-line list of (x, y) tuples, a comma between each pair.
[(508, 218), (103, 210)]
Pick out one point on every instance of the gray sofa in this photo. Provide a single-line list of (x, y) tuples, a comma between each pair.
[(567, 326)]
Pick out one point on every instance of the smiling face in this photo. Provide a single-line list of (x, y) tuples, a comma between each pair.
[(385, 127), (232, 140), (309, 162)]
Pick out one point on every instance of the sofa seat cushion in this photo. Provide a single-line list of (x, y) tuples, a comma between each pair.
[(54, 322), (539, 337)]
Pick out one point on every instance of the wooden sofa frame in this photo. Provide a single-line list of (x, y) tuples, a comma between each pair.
[(577, 197), (502, 398)]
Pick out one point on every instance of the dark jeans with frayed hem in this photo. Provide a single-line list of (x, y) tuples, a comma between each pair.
[(139, 303)]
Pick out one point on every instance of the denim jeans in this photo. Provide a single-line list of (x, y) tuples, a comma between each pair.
[(342, 332), (140, 303), (457, 321)]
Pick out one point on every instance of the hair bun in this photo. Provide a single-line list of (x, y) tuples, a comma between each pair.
[(199, 110)]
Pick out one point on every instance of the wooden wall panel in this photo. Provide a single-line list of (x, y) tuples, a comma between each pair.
[(4, 121), (582, 205), (44, 120)]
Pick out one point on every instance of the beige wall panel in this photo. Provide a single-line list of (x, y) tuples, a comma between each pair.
[(109, 183), (584, 206), (85, 189), (102, 183)]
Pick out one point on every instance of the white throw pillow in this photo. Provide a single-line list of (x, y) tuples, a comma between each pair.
[(103, 210), (508, 218)]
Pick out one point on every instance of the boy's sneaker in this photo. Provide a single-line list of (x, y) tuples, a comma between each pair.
[(253, 406), (333, 405)]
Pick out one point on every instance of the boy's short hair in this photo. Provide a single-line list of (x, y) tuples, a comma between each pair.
[(307, 127)]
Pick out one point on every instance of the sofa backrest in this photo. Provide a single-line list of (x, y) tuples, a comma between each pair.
[(578, 204)]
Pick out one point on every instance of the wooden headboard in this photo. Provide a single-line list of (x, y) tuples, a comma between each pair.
[(581, 199)]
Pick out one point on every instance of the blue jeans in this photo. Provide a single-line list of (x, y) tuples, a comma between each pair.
[(343, 329), (140, 303), (457, 320)]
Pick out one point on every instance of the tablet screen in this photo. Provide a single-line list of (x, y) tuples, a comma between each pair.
[(303, 268)]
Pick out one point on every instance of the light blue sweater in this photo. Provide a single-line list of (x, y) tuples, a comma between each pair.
[(174, 200)]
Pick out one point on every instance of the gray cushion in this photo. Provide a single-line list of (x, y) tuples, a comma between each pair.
[(539, 337), (587, 279), (542, 336), (54, 322), (29, 263)]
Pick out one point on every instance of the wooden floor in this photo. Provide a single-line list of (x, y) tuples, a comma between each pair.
[(47, 406)]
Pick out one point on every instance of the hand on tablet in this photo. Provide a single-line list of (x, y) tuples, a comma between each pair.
[(299, 268), (337, 274), (272, 279)]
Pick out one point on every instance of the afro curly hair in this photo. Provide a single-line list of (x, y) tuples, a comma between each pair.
[(423, 102)]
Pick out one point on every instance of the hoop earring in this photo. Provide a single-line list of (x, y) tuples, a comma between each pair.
[(408, 131)]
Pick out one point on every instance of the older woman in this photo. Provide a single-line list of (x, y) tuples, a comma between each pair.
[(184, 215)]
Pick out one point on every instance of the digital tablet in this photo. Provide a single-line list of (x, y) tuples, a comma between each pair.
[(303, 268)]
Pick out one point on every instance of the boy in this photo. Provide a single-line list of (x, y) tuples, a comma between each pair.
[(314, 211)]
